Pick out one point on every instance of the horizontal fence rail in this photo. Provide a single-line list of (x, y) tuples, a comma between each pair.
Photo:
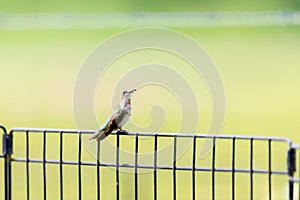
[(59, 163)]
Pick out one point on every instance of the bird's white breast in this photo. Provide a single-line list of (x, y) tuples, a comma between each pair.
[(124, 116), (123, 121)]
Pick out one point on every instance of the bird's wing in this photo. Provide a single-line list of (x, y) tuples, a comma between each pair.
[(96, 135), (108, 126), (105, 124), (117, 111)]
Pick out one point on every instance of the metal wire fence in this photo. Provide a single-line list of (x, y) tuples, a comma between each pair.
[(53, 163)]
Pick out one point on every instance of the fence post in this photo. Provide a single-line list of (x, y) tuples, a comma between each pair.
[(7, 150), (291, 163)]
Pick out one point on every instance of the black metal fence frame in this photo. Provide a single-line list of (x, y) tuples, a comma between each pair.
[(7, 153)]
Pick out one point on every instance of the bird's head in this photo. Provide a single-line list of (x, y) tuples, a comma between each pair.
[(126, 98)]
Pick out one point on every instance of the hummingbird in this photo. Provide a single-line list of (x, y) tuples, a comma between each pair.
[(117, 119)]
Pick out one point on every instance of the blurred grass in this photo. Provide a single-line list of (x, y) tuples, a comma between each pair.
[(139, 6), (259, 67)]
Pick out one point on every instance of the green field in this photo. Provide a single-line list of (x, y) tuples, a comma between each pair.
[(90, 6), (259, 67)]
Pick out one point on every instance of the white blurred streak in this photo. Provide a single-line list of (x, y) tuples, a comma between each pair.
[(146, 19)]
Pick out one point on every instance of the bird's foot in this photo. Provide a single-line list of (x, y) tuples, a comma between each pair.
[(121, 131)]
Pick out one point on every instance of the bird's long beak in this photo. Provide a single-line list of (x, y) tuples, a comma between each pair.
[(128, 94), (131, 91)]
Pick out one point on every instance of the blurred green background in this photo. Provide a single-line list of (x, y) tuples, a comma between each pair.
[(259, 66), (135, 5)]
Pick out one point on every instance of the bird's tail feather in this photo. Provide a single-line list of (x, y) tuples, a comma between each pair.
[(99, 135)]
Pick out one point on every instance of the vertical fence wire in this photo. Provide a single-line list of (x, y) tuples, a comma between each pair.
[(117, 168), (270, 168), (291, 162), (299, 177), (61, 164), (233, 170), (98, 170), (251, 169), (174, 167), (193, 169), (27, 164), (213, 168), (44, 165), (4, 134), (136, 167), (155, 169), (7, 164), (79, 165)]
